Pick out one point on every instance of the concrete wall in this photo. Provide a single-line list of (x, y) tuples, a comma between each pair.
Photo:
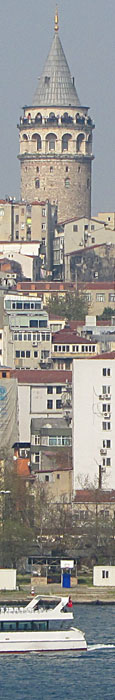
[(7, 579), (104, 575), (88, 419)]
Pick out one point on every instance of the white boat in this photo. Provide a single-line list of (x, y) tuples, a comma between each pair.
[(36, 629)]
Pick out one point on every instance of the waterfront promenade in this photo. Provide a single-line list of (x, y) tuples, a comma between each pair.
[(80, 593)]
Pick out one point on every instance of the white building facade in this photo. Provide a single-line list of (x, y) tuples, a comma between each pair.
[(94, 421)]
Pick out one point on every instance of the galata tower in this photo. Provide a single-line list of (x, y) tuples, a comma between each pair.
[(56, 140)]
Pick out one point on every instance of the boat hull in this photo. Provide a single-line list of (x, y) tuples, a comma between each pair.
[(16, 643)]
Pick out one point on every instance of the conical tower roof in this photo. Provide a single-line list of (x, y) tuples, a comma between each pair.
[(55, 87)]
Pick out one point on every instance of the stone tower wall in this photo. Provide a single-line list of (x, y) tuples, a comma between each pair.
[(63, 181)]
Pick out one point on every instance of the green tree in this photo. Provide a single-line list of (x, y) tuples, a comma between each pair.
[(107, 313), (72, 307)]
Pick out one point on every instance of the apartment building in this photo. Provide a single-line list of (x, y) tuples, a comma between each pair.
[(98, 295), (29, 329), (67, 344), (51, 454), (20, 221), (40, 391), (93, 421)]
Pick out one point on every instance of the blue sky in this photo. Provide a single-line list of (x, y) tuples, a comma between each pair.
[(87, 32)]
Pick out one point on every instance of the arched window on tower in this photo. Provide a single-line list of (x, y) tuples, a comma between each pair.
[(25, 137), (38, 118), (51, 142), (52, 118), (37, 138), (65, 142), (79, 143), (89, 144)]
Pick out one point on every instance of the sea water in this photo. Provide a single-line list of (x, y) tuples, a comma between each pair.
[(87, 676)]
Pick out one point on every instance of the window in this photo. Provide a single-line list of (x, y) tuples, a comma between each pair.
[(106, 390), (67, 182), (36, 439), (112, 297), (100, 297), (37, 183), (34, 323), (20, 336), (108, 462), (44, 354), (66, 441), (106, 372), (105, 573), (35, 353), (0, 352), (17, 353), (67, 169), (47, 477), (55, 348), (43, 227), (17, 219), (53, 441), (0, 336), (75, 228), (19, 305), (29, 336), (43, 212), (58, 403), (58, 389), (49, 389), (93, 239), (42, 324), (22, 353), (49, 404), (51, 169), (26, 305), (106, 425), (88, 296), (27, 353), (37, 458), (43, 336), (37, 169), (17, 235), (58, 476), (48, 336)]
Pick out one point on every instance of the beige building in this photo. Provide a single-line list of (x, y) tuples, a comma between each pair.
[(55, 135), (23, 222), (5, 220), (108, 218), (98, 295)]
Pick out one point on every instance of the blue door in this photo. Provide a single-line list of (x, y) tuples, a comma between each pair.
[(66, 580)]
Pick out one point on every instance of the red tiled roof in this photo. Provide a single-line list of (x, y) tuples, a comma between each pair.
[(41, 376), (97, 285), (94, 496), (68, 336), (46, 286)]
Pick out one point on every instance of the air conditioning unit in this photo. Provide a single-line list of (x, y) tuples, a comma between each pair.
[(107, 396), (103, 451), (105, 415), (100, 397), (34, 343)]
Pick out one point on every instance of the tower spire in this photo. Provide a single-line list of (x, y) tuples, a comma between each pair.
[(56, 19)]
